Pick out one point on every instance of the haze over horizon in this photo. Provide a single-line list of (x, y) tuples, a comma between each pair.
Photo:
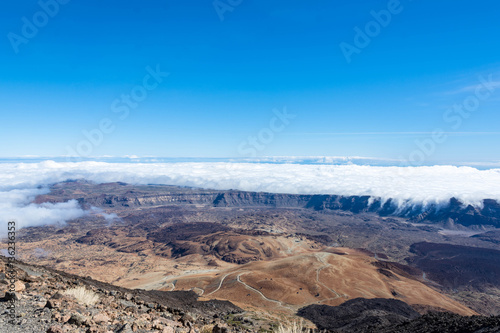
[(406, 80)]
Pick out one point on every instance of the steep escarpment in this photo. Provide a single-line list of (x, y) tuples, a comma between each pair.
[(123, 196), (454, 211)]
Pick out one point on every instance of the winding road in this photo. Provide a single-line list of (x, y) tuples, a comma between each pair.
[(220, 284), (260, 293), (320, 258)]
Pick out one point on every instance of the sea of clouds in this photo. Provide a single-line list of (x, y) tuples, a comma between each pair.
[(20, 183)]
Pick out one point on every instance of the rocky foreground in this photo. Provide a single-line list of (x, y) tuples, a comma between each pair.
[(43, 303), (51, 301)]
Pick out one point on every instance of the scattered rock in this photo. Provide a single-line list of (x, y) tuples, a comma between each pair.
[(12, 296), (19, 286), (125, 329), (58, 295), (168, 329), (220, 329), (77, 319), (55, 329), (101, 318)]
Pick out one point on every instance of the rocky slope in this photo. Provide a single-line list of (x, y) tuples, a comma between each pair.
[(43, 305), (359, 314), (393, 316)]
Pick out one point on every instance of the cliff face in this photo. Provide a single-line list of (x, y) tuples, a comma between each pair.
[(136, 199), (455, 212), (489, 214)]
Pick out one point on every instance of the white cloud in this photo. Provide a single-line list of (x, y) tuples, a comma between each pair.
[(407, 185), (25, 214), (110, 218)]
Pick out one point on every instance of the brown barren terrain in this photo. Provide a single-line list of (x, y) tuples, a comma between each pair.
[(271, 259)]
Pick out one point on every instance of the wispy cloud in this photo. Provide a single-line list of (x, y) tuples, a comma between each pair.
[(393, 133), (470, 89), (468, 83)]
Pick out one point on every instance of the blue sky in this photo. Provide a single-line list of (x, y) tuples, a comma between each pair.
[(226, 76)]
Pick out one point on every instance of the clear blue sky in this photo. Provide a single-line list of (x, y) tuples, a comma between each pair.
[(226, 77)]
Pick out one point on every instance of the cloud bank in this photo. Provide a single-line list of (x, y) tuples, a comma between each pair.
[(21, 182), (16, 205)]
